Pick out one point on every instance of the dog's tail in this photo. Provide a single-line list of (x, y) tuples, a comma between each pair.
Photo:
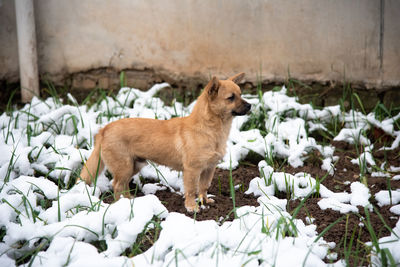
[(94, 165)]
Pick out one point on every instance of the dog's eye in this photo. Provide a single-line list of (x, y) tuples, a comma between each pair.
[(231, 98)]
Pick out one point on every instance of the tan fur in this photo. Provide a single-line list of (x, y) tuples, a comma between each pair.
[(192, 144)]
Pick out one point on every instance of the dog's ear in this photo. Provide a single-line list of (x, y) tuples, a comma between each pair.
[(212, 87), (237, 78)]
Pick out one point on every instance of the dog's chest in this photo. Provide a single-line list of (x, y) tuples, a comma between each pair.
[(219, 148)]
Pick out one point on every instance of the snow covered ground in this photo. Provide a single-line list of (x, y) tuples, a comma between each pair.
[(42, 147)]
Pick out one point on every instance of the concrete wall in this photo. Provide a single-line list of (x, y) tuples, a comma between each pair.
[(315, 39)]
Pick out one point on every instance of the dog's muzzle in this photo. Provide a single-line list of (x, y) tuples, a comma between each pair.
[(244, 108)]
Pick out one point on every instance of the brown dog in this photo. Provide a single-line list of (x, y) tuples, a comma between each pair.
[(192, 144)]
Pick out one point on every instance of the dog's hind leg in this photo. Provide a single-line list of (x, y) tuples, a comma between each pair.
[(122, 175), (205, 182), (121, 166)]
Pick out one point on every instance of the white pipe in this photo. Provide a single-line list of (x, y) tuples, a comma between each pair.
[(26, 34)]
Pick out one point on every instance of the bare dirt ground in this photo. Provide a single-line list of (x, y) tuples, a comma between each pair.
[(341, 232)]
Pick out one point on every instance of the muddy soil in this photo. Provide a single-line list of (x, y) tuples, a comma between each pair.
[(222, 209), (340, 231)]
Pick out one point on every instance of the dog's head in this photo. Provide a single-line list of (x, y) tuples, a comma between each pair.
[(225, 97)]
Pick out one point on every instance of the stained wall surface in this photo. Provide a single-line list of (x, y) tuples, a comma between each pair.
[(319, 40)]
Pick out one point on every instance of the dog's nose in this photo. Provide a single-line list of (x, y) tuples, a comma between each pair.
[(247, 106)]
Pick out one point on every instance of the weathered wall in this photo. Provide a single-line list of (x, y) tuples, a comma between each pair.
[(319, 40)]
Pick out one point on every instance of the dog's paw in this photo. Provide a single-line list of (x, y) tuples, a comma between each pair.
[(210, 201), (192, 209), (191, 205), (205, 200)]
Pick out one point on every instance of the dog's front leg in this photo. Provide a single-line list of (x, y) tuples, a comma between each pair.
[(205, 181), (191, 184)]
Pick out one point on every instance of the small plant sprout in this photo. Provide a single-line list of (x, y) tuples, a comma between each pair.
[(231, 187)]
